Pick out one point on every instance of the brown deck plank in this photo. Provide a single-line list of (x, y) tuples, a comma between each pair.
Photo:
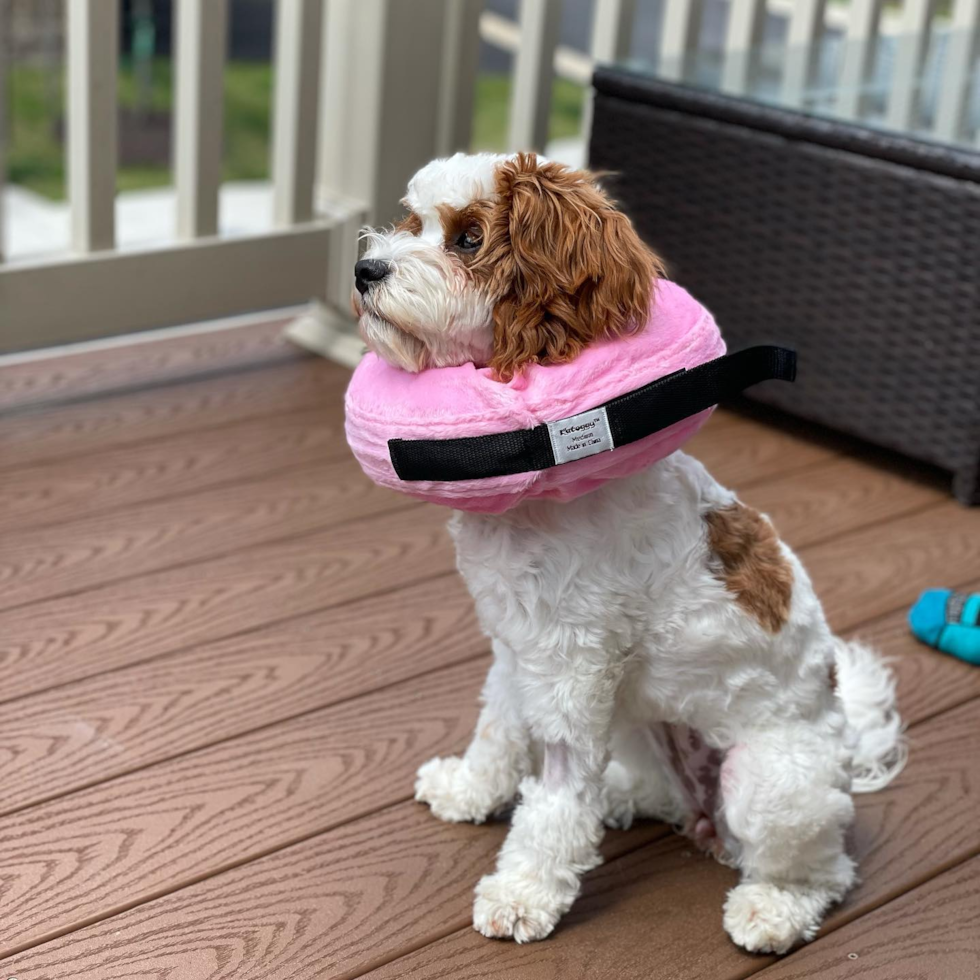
[(42, 563), (36, 764), (659, 909), (74, 637), (740, 452), (273, 694), (929, 682), (841, 495), (92, 426), (50, 743), (884, 567), (74, 488), (161, 828), (929, 933), (57, 741), (328, 907), (151, 361), (657, 905)]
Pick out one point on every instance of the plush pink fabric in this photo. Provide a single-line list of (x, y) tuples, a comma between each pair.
[(385, 402)]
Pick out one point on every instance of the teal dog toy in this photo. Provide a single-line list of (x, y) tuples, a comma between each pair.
[(949, 621)]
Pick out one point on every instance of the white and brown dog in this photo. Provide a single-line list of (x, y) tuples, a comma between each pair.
[(658, 652)]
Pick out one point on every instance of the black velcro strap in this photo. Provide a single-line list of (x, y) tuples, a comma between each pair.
[(632, 416)]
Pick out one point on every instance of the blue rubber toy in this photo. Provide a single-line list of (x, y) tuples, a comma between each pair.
[(949, 621)]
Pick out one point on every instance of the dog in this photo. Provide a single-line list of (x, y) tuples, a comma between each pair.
[(658, 651)]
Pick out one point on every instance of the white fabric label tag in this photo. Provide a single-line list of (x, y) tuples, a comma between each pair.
[(580, 435)]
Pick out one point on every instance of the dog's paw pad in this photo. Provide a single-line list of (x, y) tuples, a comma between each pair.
[(509, 907), (764, 918)]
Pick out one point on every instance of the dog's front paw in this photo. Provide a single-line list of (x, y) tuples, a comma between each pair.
[(454, 791), (764, 918), (515, 906)]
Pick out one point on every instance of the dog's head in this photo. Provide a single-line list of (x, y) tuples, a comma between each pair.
[(505, 261)]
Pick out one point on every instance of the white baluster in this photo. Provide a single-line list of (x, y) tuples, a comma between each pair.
[(531, 96), (746, 20), (860, 44), (803, 41), (297, 75), (960, 62), (612, 31), (93, 46), (679, 36), (4, 43), (910, 52), (460, 63), (202, 30)]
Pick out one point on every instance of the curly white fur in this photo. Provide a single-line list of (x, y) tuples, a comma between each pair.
[(609, 620)]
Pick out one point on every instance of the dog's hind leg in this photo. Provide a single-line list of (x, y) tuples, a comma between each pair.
[(487, 776), (786, 802), (636, 783)]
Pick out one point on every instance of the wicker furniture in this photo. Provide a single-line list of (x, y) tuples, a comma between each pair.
[(859, 248)]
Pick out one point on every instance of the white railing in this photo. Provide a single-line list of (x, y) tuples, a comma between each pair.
[(858, 27), (347, 130), (366, 91)]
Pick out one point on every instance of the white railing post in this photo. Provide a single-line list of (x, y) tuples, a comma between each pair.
[(961, 50), (460, 63), (803, 41), (746, 20), (612, 31), (202, 30), (335, 193), (4, 42), (910, 52), (860, 44), (530, 103), (679, 36), (297, 75), (93, 54), (377, 127)]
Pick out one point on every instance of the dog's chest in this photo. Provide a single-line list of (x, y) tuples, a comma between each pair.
[(596, 572)]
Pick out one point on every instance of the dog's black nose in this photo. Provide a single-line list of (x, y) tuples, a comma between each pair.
[(370, 270)]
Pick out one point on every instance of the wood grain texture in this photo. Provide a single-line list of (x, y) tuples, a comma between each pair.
[(74, 488), (662, 904), (161, 828), (929, 682), (68, 639), (220, 726), (92, 426), (329, 907), (740, 451), (50, 743), (878, 569), (76, 735), (40, 563), (657, 911), (151, 361), (842, 495), (929, 933)]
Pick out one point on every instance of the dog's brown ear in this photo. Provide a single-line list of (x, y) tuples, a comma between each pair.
[(578, 271)]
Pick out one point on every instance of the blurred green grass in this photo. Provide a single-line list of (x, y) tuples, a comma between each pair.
[(35, 157), (491, 110)]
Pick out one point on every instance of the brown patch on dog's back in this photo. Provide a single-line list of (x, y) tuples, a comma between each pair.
[(752, 563)]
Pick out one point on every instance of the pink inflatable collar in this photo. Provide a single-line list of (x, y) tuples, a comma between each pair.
[(390, 410)]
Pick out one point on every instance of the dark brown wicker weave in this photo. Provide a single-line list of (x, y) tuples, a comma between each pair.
[(858, 248)]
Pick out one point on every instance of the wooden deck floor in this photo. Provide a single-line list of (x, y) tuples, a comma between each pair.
[(224, 654)]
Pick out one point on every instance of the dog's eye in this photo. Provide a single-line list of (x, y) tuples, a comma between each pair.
[(470, 240)]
